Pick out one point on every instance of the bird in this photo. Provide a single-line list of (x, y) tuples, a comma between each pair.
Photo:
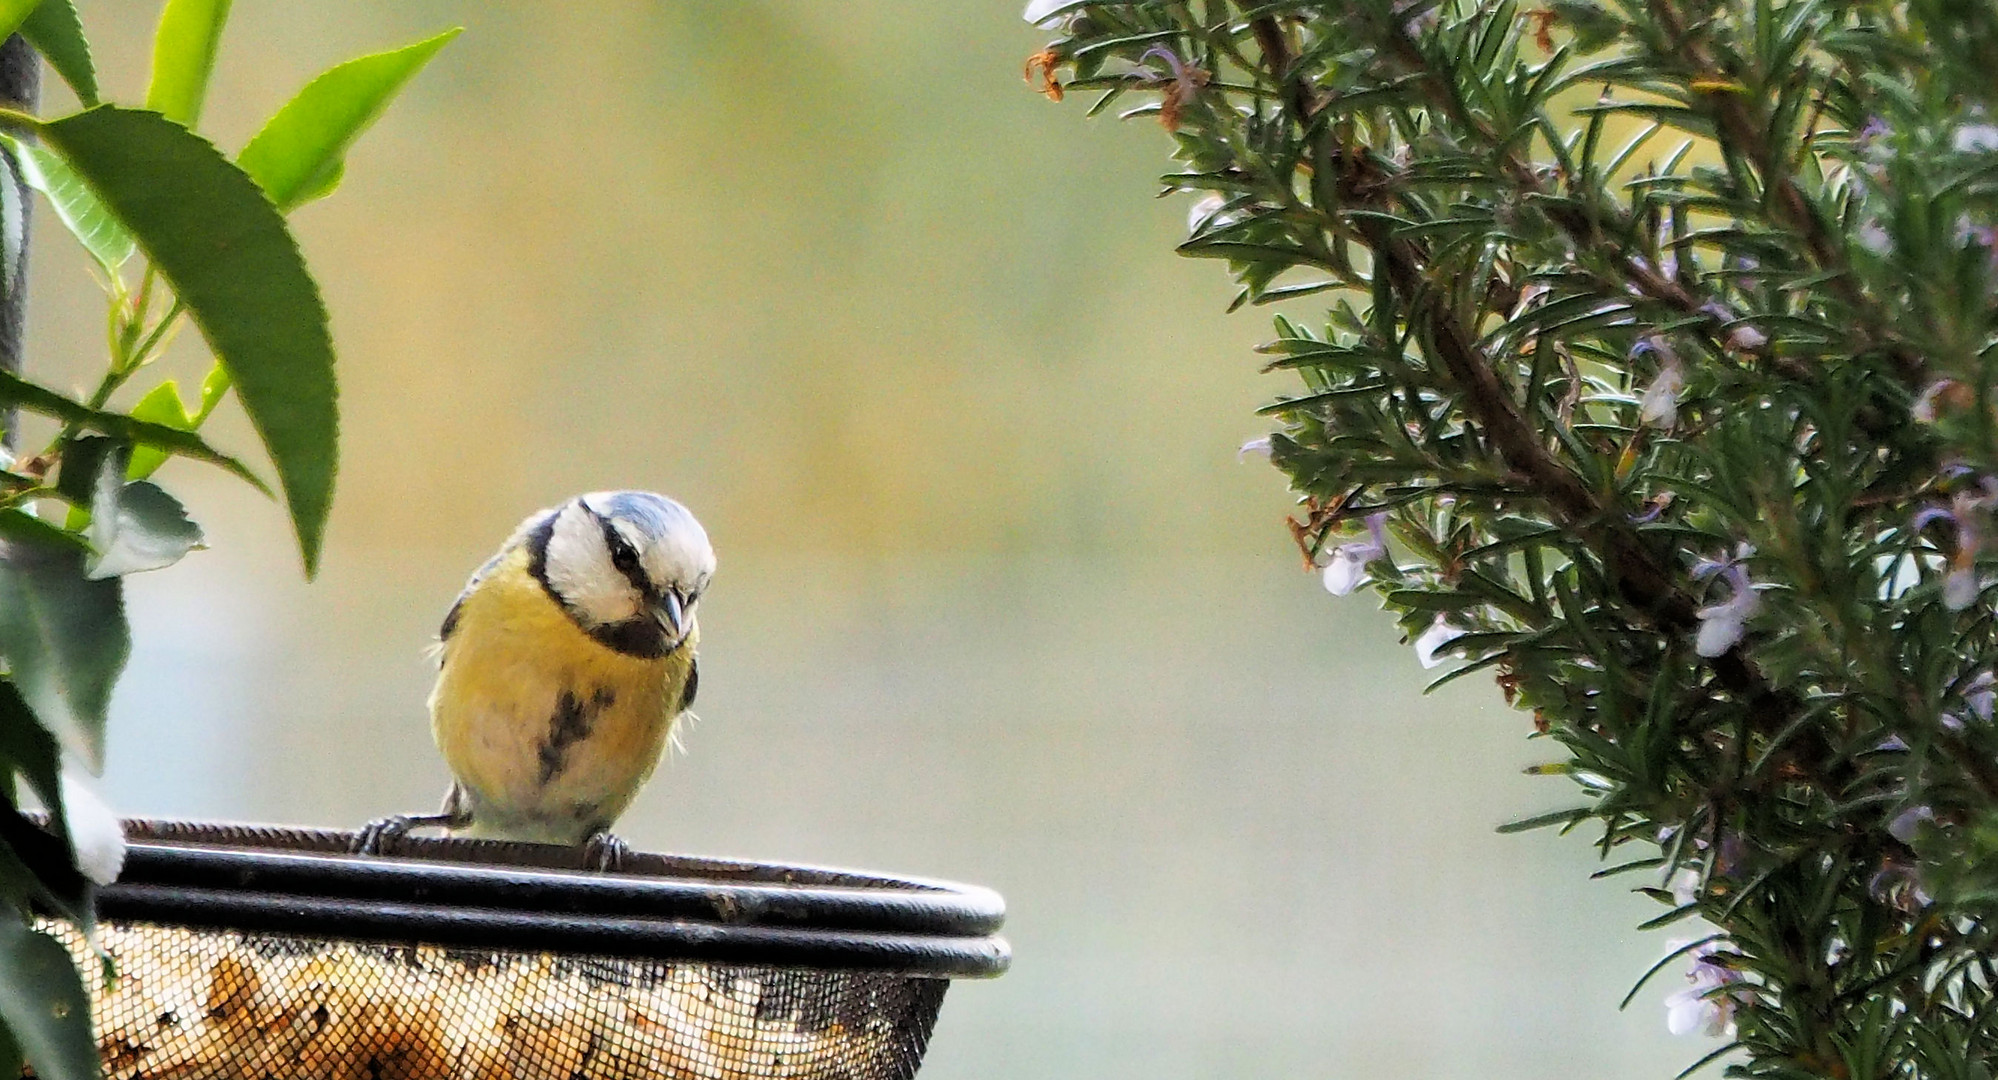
[(566, 662)]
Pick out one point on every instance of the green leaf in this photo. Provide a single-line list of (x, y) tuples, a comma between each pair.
[(65, 640), (38, 867), (213, 385), (183, 56), (137, 527), (324, 185), (43, 1003), (299, 154), (229, 258), (29, 749), (1563, 818), (75, 206), (17, 524), (161, 405), (10, 1053), (12, 14), (15, 390), (55, 31)]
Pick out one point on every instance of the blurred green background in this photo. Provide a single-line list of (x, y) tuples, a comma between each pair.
[(996, 602)]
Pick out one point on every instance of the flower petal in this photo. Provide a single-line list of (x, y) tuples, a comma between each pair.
[(1345, 572), (1433, 640), (1960, 588), (1719, 632)]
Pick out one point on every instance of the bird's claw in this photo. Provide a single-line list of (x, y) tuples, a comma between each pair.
[(382, 835), (605, 853), (377, 837)]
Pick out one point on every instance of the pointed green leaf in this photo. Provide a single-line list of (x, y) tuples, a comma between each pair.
[(137, 527), (55, 31), (229, 258), (12, 14), (43, 1003), (298, 155), (213, 385), (161, 405), (64, 639), (183, 56), (15, 390), (29, 749), (1563, 818), (323, 186), (10, 1053), (75, 206), (38, 866), (16, 524)]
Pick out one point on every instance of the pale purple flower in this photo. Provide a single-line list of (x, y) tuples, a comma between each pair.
[(1659, 406), (1960, 588), (1975, 138), (1908, 822), (1741, 337), (1178, 88), (1899, 884), (1702, 1006), (1348, 568), (1668, 256), (1722, 625), (1204, 208), (1966, 511), (1733, 850), (1873, 237), (1439, 635), (1981, 694), (1528, 297), (1422, 22), (1043, 12), (1259, 447), (1925, 406), (1684, 886)]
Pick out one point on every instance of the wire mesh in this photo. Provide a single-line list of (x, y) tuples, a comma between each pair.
[(226, 1005), (260, 953)]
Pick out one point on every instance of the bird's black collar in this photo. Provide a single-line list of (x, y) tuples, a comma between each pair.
[(641, 637)]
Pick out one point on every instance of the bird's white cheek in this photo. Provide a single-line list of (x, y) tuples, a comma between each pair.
[(579, 570)]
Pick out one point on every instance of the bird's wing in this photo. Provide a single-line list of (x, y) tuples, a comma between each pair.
[(693, 684)]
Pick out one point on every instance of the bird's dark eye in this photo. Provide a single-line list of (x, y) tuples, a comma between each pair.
[(622, 557)]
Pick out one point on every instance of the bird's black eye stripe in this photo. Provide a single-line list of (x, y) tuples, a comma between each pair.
[(624, 557)]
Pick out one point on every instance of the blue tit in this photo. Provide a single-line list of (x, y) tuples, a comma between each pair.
[(566, 662)]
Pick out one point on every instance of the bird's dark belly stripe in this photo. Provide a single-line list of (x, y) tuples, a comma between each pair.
[(569, 726)]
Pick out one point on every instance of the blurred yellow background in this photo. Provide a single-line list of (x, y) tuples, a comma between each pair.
[(996, 600)]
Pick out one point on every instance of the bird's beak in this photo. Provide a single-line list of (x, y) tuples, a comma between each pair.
[(673, 616)]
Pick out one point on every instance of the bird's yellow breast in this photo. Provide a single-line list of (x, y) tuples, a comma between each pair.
[(549, 731)]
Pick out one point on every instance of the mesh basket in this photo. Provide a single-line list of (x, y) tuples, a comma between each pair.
[(247, 953)]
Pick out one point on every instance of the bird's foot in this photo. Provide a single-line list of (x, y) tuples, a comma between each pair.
[(604, 852), (382, 835)]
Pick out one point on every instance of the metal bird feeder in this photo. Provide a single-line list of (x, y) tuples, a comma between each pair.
[(261, 953)]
